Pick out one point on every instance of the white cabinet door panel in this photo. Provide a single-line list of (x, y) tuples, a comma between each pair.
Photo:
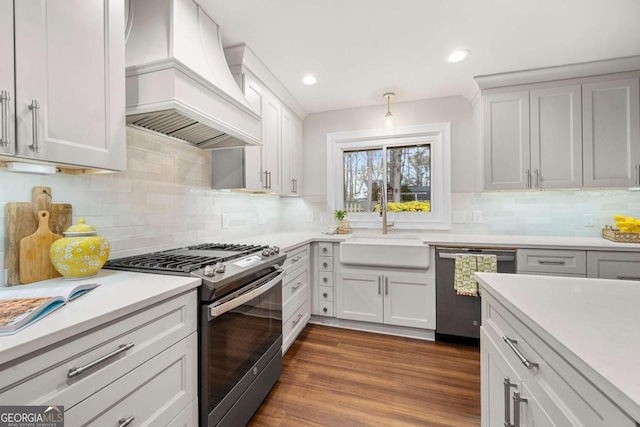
[(70, 59), (7, 92), (611, 133), (271, 134), (359, 297), (253, 155), (556, 137), (409, 301), (506, 140)]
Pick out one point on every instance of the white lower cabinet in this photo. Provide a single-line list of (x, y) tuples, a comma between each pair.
[(296, 295), (613, 265), (323, 290), (147, 369), (392, 298), (526, 382)]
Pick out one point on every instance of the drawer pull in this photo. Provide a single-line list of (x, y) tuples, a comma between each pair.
[(517, 400), (621, 277), (543, 262), (325, 295), (379, 285), (77, 371), (507, 401), (295, 288), (34, 107), (325, 280), (325, 265), (124, 422), (296, 259), (512, 345), (295, 322), (325, 250), (325, 309), (6, 110)]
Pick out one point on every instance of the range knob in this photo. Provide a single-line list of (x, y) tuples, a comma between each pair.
[(220, 267), (266, 253), (276, 249), (208, 271), (272, 251)]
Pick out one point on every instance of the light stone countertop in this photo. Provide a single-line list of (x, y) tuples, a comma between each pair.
[(594, 324), (120, 293)]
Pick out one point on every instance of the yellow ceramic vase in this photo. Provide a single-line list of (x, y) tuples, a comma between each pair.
[(81, 253)]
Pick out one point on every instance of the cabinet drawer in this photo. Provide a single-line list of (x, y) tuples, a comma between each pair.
[(295, 322), (325, 293), (325, 308), (583, 403), (188, 417), (552, 261), (325, 249), (325, 263), (154, 393), (296, 257), (325, 278), (42, 378), (613, 265), (292, 286)]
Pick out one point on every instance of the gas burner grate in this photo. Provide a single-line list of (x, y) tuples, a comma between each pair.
[(165, 263)]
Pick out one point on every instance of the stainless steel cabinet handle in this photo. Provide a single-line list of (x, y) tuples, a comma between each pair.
[(325, 250), (295, 288), (517, 400), (324, 309), (73, 372), (544, 262), (637, 177), (34, 107), (124, 422), (528, 183), (386, 285), (621, 277), (4, 100), (507, 401), (325, 280), (296, 259), (537, 179), (325, 295), (266, 181), (379, 285), (512, 345), (325, 265), (295, 322), (296, 181), (269, 173)]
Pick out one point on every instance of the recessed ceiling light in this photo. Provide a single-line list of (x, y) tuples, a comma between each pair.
[(309, 80), (458, 55)]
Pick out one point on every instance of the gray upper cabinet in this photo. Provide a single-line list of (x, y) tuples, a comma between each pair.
[(533, 139), (69, 82), (556, 138), (7, 110), (611, 124), (506, 141)]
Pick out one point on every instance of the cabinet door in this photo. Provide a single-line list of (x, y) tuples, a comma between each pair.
[(613, 265), (7, 93), (506, 141), (498, 382), (70, 63), (291, 153), (611, 133), (359, 296), (271, 137), (409, 300), (254, 176), (556, 137)]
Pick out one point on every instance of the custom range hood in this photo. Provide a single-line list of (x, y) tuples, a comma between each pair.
[(178, 81)]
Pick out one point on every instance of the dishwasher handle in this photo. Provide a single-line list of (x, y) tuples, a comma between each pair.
[(500, 258)]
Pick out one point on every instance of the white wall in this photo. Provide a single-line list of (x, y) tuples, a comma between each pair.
[(163, 200)]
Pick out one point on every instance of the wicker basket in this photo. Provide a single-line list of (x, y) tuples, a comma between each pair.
[(614, 235)]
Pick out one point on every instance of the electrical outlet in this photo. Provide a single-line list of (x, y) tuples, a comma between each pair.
[(309, 216), (225, 220), (477, 217), (588, 220), (323, 218), (459, 217)]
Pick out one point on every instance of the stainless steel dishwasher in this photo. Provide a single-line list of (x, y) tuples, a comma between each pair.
[(458, 316)]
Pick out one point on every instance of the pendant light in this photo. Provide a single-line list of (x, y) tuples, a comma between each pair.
[(388, 118)]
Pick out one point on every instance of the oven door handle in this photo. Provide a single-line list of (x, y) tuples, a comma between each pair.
[(217, 310)]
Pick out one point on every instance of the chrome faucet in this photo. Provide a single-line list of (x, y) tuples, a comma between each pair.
[(383, 213)]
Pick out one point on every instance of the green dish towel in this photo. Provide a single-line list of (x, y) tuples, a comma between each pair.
[(465, 266)]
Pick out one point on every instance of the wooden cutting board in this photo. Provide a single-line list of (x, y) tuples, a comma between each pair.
[(34, 252), (21, 220)]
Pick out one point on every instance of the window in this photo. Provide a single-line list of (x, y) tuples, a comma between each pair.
[(412, 164)]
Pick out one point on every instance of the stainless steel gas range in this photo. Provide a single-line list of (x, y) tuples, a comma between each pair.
[(240, 322)]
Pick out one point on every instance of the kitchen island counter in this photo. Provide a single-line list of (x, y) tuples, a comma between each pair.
[(120, 294), (590, 323)]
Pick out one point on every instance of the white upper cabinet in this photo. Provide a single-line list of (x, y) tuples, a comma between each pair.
[(506, 141), (556, 137), (291, 154), (611, 124), (69, 82), (7, 94), (272, 143)]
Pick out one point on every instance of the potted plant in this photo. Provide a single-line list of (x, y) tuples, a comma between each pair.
[(343, 222)]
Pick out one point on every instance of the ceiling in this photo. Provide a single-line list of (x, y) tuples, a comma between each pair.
[(360, 49)]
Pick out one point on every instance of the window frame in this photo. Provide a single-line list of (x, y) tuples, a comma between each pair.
[(437, 135)]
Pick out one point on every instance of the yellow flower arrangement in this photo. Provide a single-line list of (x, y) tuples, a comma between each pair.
[(415, 206)]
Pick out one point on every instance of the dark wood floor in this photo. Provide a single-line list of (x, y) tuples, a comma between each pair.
[(338, 377)]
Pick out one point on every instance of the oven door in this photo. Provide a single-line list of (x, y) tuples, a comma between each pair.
[(240, 351)]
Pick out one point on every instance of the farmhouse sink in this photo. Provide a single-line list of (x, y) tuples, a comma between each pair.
[(385, 251)]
